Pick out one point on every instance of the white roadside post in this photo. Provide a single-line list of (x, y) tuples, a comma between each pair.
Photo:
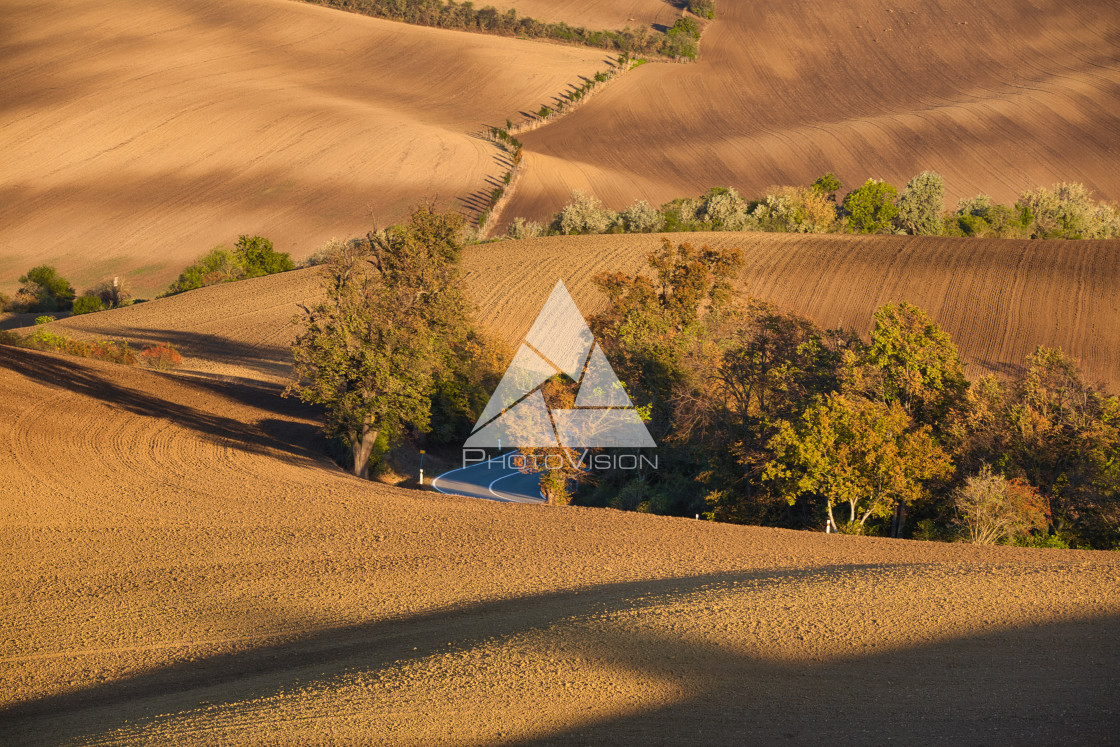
[(421, 467)]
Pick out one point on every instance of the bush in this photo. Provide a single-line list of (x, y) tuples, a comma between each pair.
[(1066, 211), (113, 293), (871, 208), (320, 255), (703, 8), (258, 258), (45, 319), (584, 215), (795, 210), (520, 228), (50, 291), (682, 39), (641, 217), (219, 266), (723, 210), (993, 509), (921, 203), (87, 305), (162, 357)]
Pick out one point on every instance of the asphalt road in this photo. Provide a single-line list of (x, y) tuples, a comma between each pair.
[(491, 480)]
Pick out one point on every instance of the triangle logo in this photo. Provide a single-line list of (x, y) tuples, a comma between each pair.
[(560, 342)]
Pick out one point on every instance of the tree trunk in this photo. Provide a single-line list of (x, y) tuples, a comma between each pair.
[(899, 520), (362, 446)]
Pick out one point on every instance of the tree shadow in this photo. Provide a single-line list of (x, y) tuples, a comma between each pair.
[(284, 433), (1049, 682)]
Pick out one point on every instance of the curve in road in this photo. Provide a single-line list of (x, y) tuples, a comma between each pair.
[(492, 480)]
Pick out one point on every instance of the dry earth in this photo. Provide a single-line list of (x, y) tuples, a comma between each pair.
[(137, 136), (997, 97), (180, 565), (998, 299)]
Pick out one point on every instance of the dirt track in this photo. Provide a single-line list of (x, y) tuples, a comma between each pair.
[(138, 136), (181, 566), (998, 97), (998, 299)]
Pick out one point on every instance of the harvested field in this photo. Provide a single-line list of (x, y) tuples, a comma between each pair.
[(998, 299), (997, 97), (138, 136), (181, 565)]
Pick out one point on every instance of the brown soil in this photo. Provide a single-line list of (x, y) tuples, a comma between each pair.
[(997, 97), (181, 565), (998, 299), (137, 136)]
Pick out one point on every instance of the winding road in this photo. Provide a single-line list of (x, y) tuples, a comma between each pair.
[(491, 480)]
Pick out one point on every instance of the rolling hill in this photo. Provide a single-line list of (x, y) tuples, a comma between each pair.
[(997, 97), (998, 299), (139, 136), (180, 564)]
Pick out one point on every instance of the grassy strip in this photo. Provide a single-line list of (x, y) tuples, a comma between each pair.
[(161, 356)]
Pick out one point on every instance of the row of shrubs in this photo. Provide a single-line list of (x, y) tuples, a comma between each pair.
[(43, 289), (505, 139), (1065, 211), (161, 356), (251, 257), (678, 41)]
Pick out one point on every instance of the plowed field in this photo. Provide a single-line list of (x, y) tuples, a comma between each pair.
[(180, 565), (997, 97), (137, 136), (998, 299)]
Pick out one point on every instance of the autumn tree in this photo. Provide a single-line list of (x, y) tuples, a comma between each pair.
[(1053, 430), (914, 363), (391, 316), (771, 366), (871, 208), (993, 509), (859, 452), (921, 204)]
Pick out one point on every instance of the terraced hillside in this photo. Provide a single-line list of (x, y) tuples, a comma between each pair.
[(998, 97), (181, 565), (998, 299)]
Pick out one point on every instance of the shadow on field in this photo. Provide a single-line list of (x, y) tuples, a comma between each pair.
[(270, 360), (289, 432), (1046, 683)]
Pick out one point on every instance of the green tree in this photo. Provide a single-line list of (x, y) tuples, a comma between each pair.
[(916, 362), (392, 315), (219, 265), (855, 451), (871, 208), (828, 185), (51, 291), (921, 204), (258, 257)]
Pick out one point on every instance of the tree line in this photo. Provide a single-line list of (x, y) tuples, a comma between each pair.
[(681, 40), (1066, 211), (766, 418), (762, 416)]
